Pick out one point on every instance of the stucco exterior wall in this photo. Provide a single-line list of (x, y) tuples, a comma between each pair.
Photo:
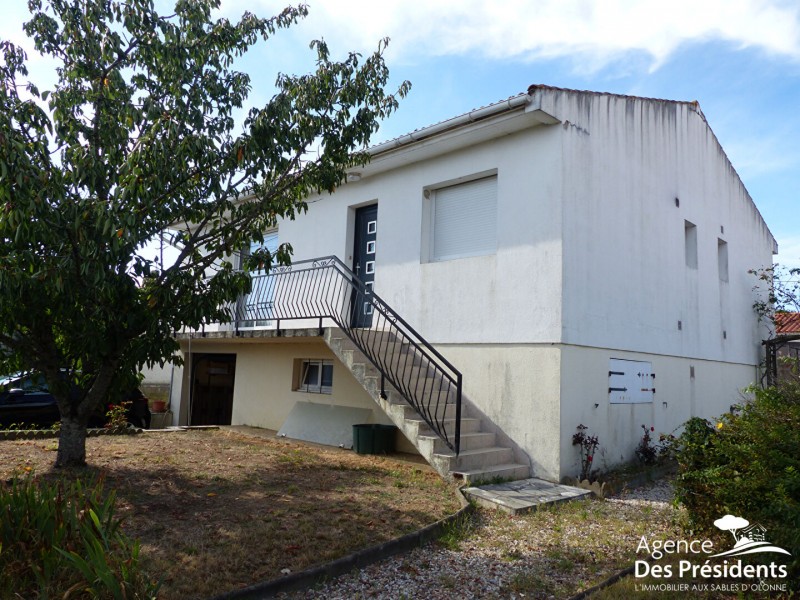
[(685, 388), (511, 296), (590, 265), (263, 395), (517, 386), (634, 172)]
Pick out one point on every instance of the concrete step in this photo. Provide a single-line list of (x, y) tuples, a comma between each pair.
[(390, 353), (469, 441), (442, 410), (371, 380), (523, 495), (419, 427), (478, 458), (371, 338), (497, 473)]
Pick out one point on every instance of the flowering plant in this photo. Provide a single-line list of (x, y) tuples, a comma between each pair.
[(118, 417), (588, 445), (646, 451)]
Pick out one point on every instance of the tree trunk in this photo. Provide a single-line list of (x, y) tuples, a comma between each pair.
[(72, 442)]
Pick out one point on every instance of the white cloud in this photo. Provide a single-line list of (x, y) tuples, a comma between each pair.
[(759, 156), (597, 31)]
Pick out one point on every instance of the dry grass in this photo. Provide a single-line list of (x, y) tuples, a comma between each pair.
[(564, 548), (220, 510)]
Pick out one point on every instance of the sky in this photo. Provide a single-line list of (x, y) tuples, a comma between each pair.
[(740, 59)]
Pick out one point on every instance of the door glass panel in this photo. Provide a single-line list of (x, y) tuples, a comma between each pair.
[(263, 290)]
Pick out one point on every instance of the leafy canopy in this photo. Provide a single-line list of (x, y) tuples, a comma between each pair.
[(137, 136)]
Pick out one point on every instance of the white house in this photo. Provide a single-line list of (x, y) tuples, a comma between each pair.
[(579, 258)]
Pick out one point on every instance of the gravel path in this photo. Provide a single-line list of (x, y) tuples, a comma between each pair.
[(504, 557)]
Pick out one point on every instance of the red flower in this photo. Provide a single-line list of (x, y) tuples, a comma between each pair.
[(652, 429), (589, 458)]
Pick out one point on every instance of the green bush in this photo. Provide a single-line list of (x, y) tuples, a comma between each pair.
[(747, 464), (62, 540)]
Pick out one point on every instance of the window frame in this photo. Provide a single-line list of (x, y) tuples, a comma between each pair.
[(433, 195), (316, 387)]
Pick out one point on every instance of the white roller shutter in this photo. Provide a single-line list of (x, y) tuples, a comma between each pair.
[(465, 220)]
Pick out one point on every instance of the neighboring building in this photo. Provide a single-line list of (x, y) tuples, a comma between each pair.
[(580, 257), (783, 351)]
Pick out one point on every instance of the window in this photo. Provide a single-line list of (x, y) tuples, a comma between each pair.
[(722, 259), (690, 241), (464, 220), (315, 376), (270, 243)]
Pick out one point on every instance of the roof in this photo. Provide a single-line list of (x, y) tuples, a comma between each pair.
[(541, 86), (506, 104), (787, 322), (537, 105)]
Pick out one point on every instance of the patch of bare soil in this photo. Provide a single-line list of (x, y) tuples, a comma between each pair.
[(220, 510)]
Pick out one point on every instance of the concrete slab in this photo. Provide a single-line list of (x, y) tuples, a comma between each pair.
[(323, 423), (524, 495)]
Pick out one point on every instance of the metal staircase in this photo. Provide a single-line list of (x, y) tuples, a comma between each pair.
[(419, 390)]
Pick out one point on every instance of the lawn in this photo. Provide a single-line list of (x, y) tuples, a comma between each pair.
[(217, 510), (551, 553)]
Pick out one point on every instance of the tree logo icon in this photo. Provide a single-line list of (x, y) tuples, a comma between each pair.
[(748, 539)]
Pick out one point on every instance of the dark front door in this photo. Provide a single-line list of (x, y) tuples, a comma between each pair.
[(212, 389), (364, 243)]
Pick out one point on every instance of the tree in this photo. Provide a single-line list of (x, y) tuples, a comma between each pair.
[(777, 291), (139, 137)]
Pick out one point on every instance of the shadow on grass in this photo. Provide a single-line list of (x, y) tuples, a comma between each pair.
[(215, 513)]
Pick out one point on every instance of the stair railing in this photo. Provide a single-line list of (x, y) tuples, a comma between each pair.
[(325, 288)]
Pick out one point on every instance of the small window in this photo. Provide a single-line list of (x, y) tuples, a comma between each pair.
[(690, 240), (316, 376), (464, 220), (722, 259)]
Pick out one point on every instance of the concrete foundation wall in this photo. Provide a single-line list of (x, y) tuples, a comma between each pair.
[(684, 388), (517, 387)]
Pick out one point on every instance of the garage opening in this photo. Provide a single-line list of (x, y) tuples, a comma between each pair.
[(212, 389)]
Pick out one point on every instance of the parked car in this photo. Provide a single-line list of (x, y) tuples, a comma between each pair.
[(26, 399)]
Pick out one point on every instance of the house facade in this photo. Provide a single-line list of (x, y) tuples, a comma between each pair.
[(579, 258)]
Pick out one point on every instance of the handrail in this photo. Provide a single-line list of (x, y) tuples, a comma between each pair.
[(325, 288)]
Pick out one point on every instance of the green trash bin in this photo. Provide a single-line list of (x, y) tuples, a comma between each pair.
[(383, 439), (371, 438), (363, 438)]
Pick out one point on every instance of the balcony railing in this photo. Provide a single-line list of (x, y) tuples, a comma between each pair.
[(324, 288)]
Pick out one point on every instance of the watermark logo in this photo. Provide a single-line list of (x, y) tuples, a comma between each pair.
[(697, 566), (749, 539)]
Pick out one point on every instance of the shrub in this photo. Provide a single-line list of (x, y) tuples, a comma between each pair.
[(746, 464), (62, 540)]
